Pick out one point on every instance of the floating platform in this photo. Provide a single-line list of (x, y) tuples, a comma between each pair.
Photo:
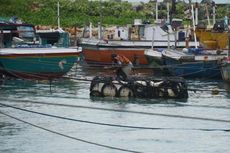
[(139, 87)]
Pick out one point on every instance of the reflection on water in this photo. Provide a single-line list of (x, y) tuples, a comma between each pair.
[(173, 135)]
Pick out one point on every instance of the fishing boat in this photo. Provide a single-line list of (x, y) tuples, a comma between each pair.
[(23, 56), (184, 64), (131, 41), (37, 63), (99, 51)]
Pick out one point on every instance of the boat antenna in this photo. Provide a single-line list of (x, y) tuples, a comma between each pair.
[(58, 14)]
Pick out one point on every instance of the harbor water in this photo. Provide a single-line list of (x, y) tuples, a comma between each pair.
[(36, 117)]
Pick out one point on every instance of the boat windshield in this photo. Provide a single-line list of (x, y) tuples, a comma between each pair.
[(26, 31)]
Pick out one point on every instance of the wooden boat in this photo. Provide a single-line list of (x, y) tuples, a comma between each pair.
[(98, 51), (37, 63), (193, 66), (225, 69), (214, 38)]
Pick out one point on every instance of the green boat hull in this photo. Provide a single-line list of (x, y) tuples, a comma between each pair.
[(37, 67)]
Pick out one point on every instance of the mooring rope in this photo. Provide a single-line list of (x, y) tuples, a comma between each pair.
[(107, 124), (70, 137), (81, 98), (146, 113), (189, 89)]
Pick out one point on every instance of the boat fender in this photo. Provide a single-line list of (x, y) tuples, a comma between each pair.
[(109, 90), (140, 89), (142, 83), (171, 93), (97, 87), (157, 84), (95, 93), (125, 91)]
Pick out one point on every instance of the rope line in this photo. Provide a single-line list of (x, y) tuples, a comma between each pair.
[(106, 124), (70, 137), (189, 89), (77, 120), (143, 113)]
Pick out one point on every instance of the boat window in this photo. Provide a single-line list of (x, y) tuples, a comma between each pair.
[(26, 31), (142, 31), (119, 33), (165, 28)]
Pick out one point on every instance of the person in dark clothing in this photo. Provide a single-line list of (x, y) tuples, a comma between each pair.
[(125, 66)]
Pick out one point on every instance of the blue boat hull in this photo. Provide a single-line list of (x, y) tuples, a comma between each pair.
[(225, 69), (199, 69)]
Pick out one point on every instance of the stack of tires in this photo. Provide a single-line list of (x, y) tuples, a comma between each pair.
[(139, 87)]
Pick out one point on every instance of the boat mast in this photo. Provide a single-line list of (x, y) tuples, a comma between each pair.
[(214, 12), (100, 23), (156, 11), (196, 12), (193, 22), (168, 18), (58, 14), (207, 13)]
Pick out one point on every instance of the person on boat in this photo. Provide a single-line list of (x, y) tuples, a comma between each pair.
[(125, 66)]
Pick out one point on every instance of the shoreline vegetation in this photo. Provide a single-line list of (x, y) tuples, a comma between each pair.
[(81, 12)]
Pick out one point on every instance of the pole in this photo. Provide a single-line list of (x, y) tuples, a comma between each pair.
[(90, 30), (100, 25), (58, 14), (193, 21), (196, 8), (168, 19), (207, 13), (156, 12), (168, 39), (153, 38), (214, 14)]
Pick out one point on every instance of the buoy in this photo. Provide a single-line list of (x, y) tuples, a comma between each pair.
[(215, 91)]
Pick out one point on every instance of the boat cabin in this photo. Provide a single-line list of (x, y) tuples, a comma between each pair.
[(14, 33)]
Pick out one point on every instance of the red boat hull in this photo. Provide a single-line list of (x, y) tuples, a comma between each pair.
[(104, 56)]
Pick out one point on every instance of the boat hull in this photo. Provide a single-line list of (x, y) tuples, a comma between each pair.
[(98, 52), (103, 56), (225, 71), (43, 65), (197, 69)]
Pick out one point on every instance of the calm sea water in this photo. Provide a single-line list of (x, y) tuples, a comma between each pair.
[(171, 134)]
